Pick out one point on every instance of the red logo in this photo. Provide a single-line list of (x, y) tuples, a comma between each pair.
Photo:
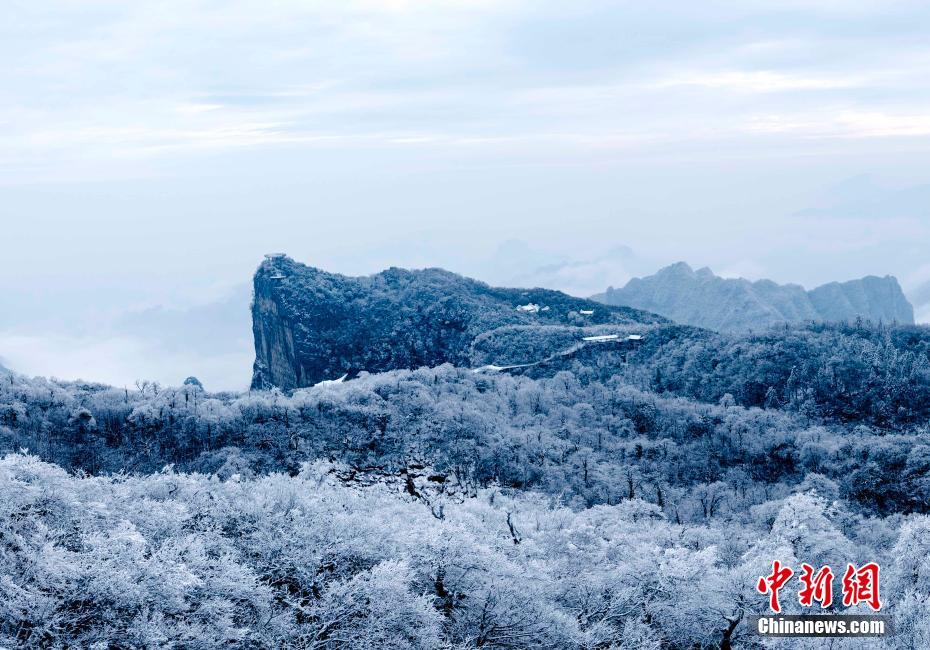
[(773, 583), (817, 588), (859, 585)]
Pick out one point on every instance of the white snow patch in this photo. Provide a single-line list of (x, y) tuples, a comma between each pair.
[(601, 338), (330, 382), (611, 337)]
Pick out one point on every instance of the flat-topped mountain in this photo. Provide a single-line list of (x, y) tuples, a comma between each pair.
[(310, 325), (733, 305)]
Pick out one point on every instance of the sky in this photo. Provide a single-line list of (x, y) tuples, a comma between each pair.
[(152, 152)]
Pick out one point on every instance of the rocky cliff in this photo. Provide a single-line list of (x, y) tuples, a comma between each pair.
[(310, 325), (735, 305)]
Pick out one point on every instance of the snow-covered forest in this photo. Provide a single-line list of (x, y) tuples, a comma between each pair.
[(375, 324), (575, 508), (316, 560)]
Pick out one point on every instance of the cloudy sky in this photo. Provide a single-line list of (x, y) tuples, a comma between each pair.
[(151, 152)]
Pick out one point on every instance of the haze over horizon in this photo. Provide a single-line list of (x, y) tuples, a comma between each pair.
[(153, 152)]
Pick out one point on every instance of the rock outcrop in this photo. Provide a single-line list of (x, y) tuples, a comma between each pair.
[(310, 326)]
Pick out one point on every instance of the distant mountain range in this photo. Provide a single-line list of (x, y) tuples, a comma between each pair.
[(735, 305), (310, 325)]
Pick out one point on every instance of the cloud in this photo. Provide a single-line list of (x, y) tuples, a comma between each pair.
[(844, 124), (120, 361), (877, 124), (744, 268), (922, 315), (149, 147), (102, 80), (584, 271), (759, 81)]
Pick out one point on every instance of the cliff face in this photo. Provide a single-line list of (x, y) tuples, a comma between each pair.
[(873, 298), (735, 305), (310, 325), (275, 356)]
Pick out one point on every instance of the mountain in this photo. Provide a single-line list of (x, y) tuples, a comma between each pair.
[(732, 305), (310, 325)]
